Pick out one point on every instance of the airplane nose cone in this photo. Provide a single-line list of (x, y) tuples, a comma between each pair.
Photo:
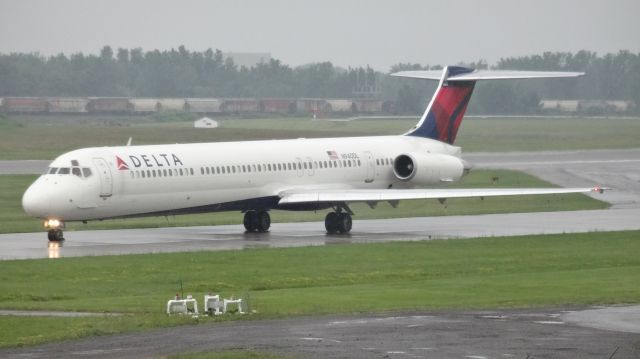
[(33, 203)]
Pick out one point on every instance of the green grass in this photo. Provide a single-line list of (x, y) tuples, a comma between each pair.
[(509, 272), (45, 137), (15, 220)]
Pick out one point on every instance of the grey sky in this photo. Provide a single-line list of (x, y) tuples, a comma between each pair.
[(379, 33)]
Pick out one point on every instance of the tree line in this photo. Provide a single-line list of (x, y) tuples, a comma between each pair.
[(183, 73)]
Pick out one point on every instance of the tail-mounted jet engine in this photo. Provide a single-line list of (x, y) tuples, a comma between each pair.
[(428, 169)]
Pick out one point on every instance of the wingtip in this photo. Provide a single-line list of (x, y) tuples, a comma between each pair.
[(600, 189)]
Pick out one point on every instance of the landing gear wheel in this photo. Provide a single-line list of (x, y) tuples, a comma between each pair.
[(344, 223), (55, 235), (263, 221), (250, 221), (259, 221), (331, 222)]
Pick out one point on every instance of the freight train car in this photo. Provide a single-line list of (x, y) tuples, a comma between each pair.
[(24, 105), (368, 105), (203, 105), (112, 105), (311, 105), (67, 105), (141, 106), (240, 105), (340, 106), (171, 104), (277, 105)]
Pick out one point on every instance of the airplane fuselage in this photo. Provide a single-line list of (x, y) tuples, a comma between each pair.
[(206, 177)]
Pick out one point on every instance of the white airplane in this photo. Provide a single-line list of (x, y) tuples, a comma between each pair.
[(253, 177)]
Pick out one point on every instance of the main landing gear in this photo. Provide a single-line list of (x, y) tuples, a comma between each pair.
[(257, 221), (54, 230), (338, 222)]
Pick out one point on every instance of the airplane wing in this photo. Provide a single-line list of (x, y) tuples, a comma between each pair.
[(375, 195)]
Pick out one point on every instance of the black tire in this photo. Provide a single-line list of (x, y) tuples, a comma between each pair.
[(250, 221), (55, 235), (263, 221), (344, 223), (331, 222)]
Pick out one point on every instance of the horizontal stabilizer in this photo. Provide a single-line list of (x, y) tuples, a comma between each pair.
[(476, 75)]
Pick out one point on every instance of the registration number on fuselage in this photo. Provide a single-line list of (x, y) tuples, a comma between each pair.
[(349, 156)]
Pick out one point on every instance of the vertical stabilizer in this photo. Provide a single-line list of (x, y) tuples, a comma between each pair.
[(443, 116)]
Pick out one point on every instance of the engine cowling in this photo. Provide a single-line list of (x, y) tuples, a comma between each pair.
[(428, 168)]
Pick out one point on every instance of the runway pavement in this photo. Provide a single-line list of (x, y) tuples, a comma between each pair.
[(558, 333), (179, 239)]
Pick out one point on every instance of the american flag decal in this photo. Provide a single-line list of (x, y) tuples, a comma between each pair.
[(332, 155)]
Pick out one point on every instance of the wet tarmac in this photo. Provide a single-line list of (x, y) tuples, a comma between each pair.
[(467, 334), (230, 237)]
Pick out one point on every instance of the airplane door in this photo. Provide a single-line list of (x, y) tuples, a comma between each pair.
[(106, 180), (311, 170), (298, 163), (371, 167)]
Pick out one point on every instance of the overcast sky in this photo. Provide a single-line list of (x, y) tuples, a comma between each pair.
[(379, 33)]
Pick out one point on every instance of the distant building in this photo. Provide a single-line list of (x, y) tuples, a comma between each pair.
[(248, 59), (205, 122)]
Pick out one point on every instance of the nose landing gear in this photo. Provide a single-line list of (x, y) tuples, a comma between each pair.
[(55, 235), (54, 228)]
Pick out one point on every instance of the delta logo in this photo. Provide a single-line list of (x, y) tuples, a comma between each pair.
[(122, 166), (149, 161)]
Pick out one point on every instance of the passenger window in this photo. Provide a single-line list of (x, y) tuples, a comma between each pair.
[(132, 175), (143, 176)]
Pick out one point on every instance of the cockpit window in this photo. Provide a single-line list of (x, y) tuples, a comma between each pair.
[(86, 171), (64, 171), (53, 170), (76, 171)]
